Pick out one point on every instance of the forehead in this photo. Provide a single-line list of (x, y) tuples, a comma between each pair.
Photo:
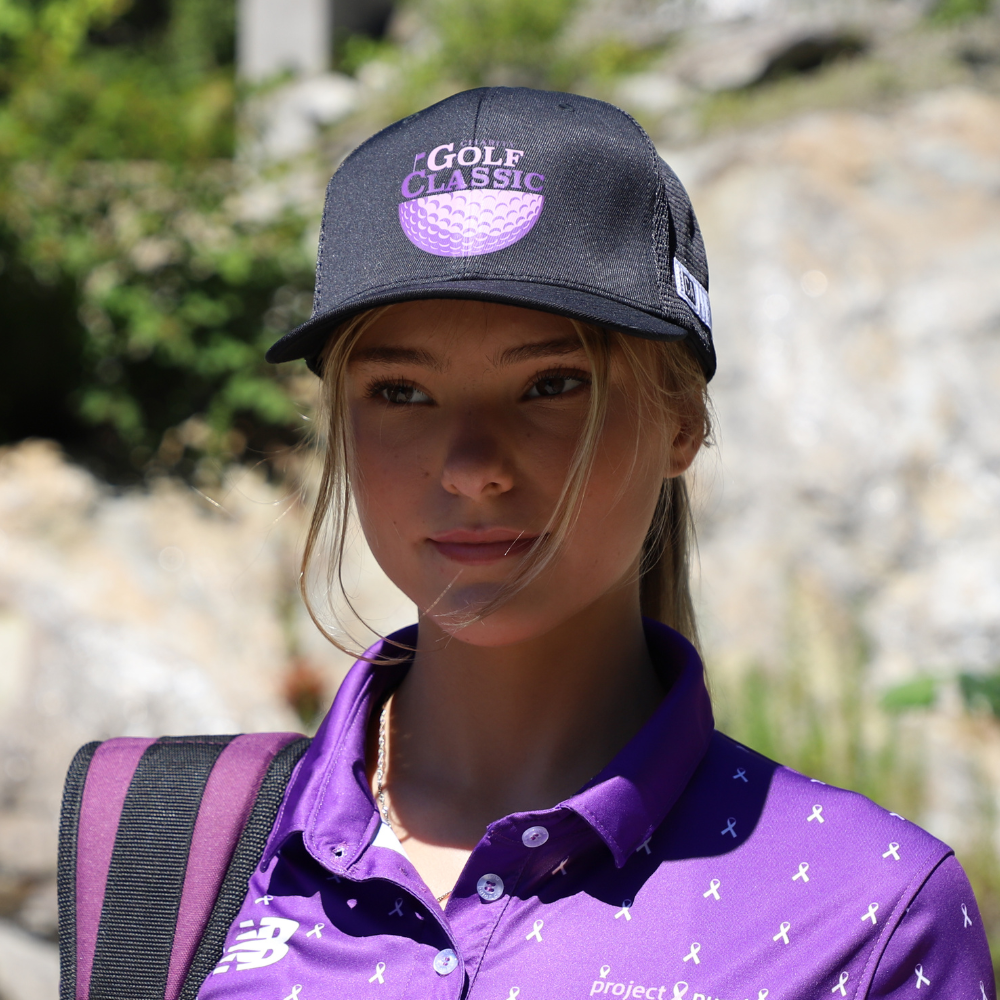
[(452, 329)]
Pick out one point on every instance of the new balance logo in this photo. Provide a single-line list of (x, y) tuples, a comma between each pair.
[(256, 948)]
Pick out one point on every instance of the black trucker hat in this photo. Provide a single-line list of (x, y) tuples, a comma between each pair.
[(526, 197)]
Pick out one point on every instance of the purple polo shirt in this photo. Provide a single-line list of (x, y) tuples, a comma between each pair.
[(691, 868)]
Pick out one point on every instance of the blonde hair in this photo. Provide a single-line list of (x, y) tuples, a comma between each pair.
[(670, 383)]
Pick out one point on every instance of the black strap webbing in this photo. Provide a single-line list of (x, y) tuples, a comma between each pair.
[(69, 826), (148, 864), (245, 859)]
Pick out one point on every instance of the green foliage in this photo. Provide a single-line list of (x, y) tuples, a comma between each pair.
[(919, 693), (473, 43), (952, 11), (484, 42), (201, 36), (813, 710), (981, 691), (112, 108), (177, 298), (139, 297), (848, 84), (356, 50), (64, 98), (613, 58)]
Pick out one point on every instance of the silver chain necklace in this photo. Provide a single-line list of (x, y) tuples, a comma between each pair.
[(383, 725), (383, 730)]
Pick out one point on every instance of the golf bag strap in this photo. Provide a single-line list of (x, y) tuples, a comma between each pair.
[(157, 842)]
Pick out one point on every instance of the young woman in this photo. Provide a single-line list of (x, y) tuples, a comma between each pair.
[(522, 797)]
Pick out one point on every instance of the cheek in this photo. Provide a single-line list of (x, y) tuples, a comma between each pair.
[(607, 539), (544, 451), (382, 459), (390, 465), (621, 496)]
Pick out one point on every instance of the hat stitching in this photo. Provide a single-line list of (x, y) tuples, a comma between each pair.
[(484, 93), (532, 279)]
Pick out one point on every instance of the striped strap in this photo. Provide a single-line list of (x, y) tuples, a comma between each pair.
[(148, 833), (248, 853)]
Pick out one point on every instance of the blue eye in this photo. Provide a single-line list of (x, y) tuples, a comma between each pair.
[(553, 385), (402, 395)]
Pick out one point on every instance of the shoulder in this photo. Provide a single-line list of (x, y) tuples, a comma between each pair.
[(884, 899), (940, 942), (784, 806)]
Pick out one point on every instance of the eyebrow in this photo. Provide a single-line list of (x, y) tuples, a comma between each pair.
[(512, 356), (545, 349), (397, 356)]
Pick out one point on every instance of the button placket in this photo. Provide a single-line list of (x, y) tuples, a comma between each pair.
[(534, 836), (473, 922), (369, 870), (490, 887), (445, 962)]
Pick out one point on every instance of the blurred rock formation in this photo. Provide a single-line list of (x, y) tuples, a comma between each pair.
[(29, 969), (762, 24), (854, 277), (854, 263), (142, 614)]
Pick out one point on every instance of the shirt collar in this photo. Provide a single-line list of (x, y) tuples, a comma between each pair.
[(330, 803), (631, 797)]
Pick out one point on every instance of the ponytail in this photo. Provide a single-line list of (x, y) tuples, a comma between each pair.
[(664, 584)]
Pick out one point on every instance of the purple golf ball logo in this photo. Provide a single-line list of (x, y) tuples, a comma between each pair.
[(470, 202)]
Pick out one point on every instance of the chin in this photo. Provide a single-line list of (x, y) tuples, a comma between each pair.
[(521, 619), (499, 630)]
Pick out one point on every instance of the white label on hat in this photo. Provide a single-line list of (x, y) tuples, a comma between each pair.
[(693, 293)]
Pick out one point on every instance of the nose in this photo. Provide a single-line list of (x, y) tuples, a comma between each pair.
[(476, 466)]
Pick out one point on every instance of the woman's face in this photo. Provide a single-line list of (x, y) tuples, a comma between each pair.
[(466, 416)]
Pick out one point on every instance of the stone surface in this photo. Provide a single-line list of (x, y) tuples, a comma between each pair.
[(131, 615), (738, 55), (656, 22), (29, 968), (285, 123), (651, 94), (854, 261), (279, 36)]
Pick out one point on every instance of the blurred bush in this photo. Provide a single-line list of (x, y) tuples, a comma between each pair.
[(137, 298), (950, 11), (481, 41), (816, 711), (446, 46), (80, 80)]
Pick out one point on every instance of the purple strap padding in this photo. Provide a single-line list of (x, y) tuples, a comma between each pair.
[(229, 796), (108, 779)]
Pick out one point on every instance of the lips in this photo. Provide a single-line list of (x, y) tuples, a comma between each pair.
[(479, 547)]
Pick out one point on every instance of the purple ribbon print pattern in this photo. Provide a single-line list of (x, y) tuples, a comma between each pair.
[(473, 201)]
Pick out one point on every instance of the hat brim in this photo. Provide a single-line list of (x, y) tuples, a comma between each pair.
[(308, 340)]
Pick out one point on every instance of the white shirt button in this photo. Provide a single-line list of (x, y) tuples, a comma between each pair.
[(445, 961), (534, 836), (490, 887)]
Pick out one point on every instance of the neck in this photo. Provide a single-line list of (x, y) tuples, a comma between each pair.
[(480, 732)]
